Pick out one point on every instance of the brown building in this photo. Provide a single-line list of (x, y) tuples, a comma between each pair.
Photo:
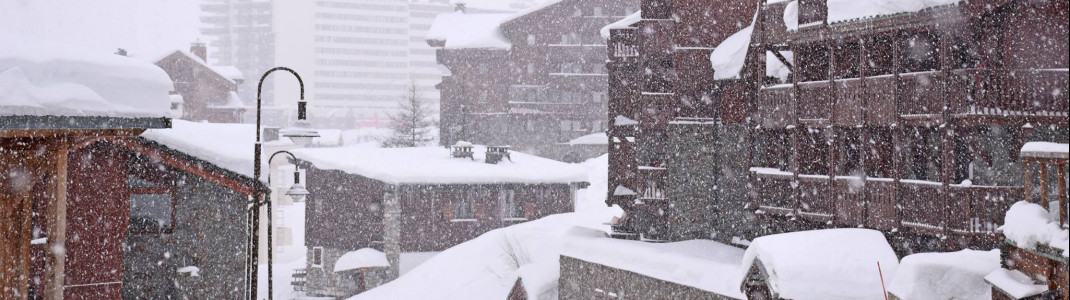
[(408, 202), (209, 93), (677, 135), (903, 121), (531, 79)]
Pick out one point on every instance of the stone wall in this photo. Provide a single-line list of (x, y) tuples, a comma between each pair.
[(322, 281), (585, 280)]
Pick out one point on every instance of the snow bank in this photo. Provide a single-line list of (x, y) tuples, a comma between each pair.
[(826, 264), (940, 276), (728, 57), (702, 264), (193, 271), (487, 267), (620, 120), (465, 31), (434, 165), (1046, 150), (1028, 224), (626, 22), (229, 146), (599, 138), (64, 80), (363, 258), (845, 10)]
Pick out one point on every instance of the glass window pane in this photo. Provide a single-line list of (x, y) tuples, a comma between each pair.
[(150, 211)]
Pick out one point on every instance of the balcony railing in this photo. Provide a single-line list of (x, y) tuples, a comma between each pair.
[(881, 100), (882, 203)]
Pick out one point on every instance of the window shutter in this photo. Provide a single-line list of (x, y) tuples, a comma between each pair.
[(478, 211), (447, 211), (529, 211)]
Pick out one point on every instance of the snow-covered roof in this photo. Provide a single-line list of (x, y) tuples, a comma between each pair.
[(38, 79), (626, 22), (620, 120), (951, 275), (1046, 150), (598, 138), (360, 259), (1028, 225), (826, 264), (702, 264), (469, 31), (846, 10), (540, 279), (229, 146), (434, 165), (531, 9), (232, 102)]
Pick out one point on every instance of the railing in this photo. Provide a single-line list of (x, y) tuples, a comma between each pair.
[(653, 184), (881, 100), (883, 204)]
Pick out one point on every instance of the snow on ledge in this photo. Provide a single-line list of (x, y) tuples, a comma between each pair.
[(360, 259), (626, 22), (951, 275), (1046, 150), (64, 80), (193, 271), (598, 138), (1015, 283), (701, 264), (824, 264), (434, 165), (469, 31)]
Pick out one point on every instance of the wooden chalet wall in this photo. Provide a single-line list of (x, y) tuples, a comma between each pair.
[(916, 103), (97, 220)]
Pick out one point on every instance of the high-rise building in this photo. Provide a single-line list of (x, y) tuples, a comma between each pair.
[(356, 57)]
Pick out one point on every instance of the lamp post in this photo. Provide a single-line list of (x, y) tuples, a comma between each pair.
[(301, 134)]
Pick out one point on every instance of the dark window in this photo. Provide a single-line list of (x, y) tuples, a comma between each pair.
[(151, 206), (317, 257), (463, 209)]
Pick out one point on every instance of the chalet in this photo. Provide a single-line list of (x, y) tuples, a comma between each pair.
[(62, 189), (531, 79), (905, 120), (407, 202), (207, 92)]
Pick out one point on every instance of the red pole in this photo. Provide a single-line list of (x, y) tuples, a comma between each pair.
[(882, 280)]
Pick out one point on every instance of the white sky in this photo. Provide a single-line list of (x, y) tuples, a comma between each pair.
[(145, 28)]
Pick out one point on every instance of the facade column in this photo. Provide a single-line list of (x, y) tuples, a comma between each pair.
[(392, 231), (55, 264)]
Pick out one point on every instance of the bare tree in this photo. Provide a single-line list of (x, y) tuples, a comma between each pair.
[(412, 125)]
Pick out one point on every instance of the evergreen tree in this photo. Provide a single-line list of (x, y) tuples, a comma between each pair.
[(412, 125)]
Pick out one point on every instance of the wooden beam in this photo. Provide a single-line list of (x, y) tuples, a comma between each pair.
[(1062, 194), (185, 165), (56, 133), (1027, 176), (56, 262), (1043, 184)]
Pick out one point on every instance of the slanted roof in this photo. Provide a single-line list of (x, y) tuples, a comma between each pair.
[(849, 10), (531, 10), (469, 31), (229, 146), (826, 264), (597, 138), (434, 165), (228, 73), (626, 22), (46, 86)]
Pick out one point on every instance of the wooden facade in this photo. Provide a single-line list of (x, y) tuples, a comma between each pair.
[(548, 87), (906, 123)]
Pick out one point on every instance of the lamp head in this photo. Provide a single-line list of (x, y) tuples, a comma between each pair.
[(297, 192), (301, 133)]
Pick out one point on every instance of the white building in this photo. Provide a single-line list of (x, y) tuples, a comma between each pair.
[(356, 57)]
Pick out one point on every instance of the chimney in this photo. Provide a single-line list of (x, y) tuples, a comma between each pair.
[(460, 8), (200, 50)]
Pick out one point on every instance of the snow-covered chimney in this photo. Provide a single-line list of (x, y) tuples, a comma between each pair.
[(199, 49), (460, 8)]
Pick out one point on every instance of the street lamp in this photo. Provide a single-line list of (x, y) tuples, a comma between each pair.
[(297, 191), (301, 134)]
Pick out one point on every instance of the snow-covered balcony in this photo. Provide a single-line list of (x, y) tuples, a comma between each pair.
[(882, 203)]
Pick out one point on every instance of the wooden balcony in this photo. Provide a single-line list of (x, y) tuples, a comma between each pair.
[(883, 203), (969, 96)]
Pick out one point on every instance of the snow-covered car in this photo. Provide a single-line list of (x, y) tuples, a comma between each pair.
[(830, 264)]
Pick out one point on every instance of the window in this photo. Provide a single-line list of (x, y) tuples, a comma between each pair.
[(529, 125), (464, 209), (483, 96), (597, 97), (151, 206), (511, 209), (317, 257), (531, 68), (531, 39)]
